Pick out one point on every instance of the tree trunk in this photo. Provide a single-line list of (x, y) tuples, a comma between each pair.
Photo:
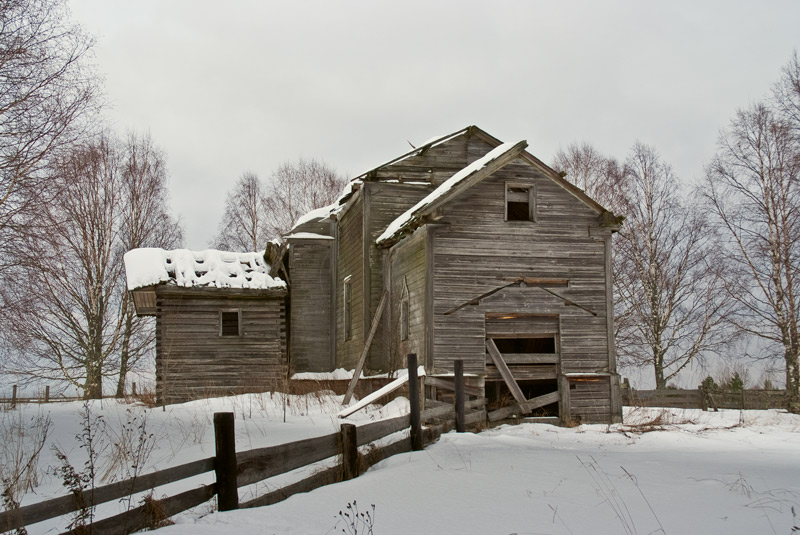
[(792, 380), (125, 352)]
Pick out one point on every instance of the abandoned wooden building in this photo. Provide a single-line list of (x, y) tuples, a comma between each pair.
[(220, 321), (463, 248)]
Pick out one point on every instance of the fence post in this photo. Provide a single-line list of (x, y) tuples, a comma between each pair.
[(14, 396), (413, 395), (458, 369), (133, 389), (349, 441), (47, 394), (704, 397), (225, 461)]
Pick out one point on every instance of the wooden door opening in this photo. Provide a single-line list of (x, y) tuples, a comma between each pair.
[(527, 347)]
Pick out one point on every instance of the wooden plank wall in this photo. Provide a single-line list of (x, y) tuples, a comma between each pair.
[(193, 361), (408, 269), (350, 263), (589, 399), (311, 343), (476, 247), (387, 202)]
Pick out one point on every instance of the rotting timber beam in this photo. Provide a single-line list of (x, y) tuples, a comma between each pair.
[(508, 377)]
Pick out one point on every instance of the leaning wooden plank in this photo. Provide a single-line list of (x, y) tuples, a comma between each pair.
[(38, 512), (508, 377), (363, 358), (149, 514), (373, 431), (391, 387), (534, 403), (315, 481), (255, 465)]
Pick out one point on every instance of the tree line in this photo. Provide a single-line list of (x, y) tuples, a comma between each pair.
[(700, 268)]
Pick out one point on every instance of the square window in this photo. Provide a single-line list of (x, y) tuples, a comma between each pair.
[(520, 203), (230, 323)]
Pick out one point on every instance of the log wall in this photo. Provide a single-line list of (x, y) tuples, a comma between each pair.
[(193, 361)]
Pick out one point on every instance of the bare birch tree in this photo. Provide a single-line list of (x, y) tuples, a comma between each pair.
[(753, 189), (66, 308), (46, 89), (601, 177), (244, 224), (668, 284), (296, 188), (145, 222), (64, 324)]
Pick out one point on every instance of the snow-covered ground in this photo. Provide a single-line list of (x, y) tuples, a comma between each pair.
[(662, 471)]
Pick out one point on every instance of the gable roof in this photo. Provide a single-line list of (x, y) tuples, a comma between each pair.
[(451, 188), (340, 204)]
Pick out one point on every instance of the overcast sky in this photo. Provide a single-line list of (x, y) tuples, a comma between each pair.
[(240, 86)]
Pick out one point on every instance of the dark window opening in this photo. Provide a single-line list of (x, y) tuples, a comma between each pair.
[(404, 319), (229, 323), (526, 345), (518, 211), (348, 308), (519, 203)]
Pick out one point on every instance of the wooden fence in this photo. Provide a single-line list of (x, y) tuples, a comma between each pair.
[(237, 469), (705, 399)]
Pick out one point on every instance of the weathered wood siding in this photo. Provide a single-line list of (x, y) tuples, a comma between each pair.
[(387, 201), (590, 399), (407, 272), (475, 248), (350, 264), (193, 361), (311, 271)]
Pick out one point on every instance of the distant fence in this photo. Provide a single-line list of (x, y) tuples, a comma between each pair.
[(43, 396), (705, 399), (237, 469)]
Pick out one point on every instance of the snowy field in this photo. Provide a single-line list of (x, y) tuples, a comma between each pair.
[(662, 471)]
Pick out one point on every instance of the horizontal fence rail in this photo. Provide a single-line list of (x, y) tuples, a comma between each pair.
[(251, 467), (701, 398)]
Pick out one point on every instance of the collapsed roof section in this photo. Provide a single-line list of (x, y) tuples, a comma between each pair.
[(451, 188)]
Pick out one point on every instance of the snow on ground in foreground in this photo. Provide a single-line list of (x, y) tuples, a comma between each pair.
[(730, 472), (726, 472)]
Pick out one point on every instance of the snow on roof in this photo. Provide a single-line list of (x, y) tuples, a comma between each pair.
[(210, 268), (320, 214), (308, 236), (398, 224)]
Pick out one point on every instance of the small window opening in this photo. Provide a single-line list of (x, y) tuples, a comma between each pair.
[(519, 203), (404, 319), (229, 323), (348, 307)]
